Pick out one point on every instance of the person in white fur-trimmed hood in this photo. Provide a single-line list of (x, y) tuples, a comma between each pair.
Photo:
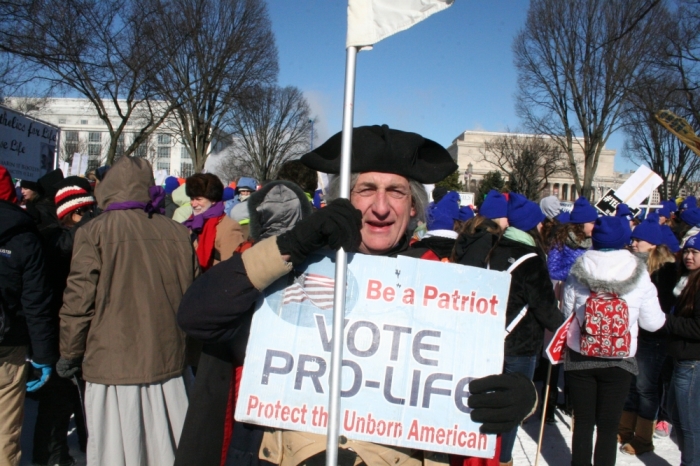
[(598, 385)]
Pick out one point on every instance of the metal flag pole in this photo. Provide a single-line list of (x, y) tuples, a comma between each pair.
[(340, 268)]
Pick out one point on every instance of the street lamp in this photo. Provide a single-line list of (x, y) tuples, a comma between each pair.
[(468, 176)]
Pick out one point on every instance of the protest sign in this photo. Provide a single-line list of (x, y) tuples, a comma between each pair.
[(557, 344), (27, 145), (609, 202), (466, 199), (416, 333), (633, 192)]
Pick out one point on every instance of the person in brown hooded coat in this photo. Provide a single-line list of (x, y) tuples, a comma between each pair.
[(130, 269)]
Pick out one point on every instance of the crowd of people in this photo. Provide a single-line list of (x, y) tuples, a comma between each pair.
[(126, 306)]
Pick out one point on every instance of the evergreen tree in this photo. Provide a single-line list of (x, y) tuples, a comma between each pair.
[(492, 180), (451, 182)]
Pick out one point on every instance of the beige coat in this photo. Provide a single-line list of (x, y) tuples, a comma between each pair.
[(128, 275), (229, 236)]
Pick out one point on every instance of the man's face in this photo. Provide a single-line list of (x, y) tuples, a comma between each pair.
[(200, 205), (385, 202), (244, 194)]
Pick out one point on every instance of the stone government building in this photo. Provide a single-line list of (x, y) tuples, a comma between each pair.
[(468, 150)]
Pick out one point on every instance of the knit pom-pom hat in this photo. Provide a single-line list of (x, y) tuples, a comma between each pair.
[(523, 214), (495, 205), (73, 193), (610, 233), (583, 211), (649, 230)]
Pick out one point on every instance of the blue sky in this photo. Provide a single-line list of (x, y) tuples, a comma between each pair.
[(450, 73)]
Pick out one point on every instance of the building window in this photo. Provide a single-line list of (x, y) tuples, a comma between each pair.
[(71, 148), (94, 150), (163, 165), (164, 152), (186, 169), (93, 164), (141, 150), (120, 147), (94, 137), (61, 121), (83, 122), (71, 136), (184, 153), (164, 139)]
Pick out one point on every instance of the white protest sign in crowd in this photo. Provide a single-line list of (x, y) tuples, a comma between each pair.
[(633, 192), (416, 333), (27, 146)]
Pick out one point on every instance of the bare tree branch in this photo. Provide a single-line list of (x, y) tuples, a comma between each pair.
[(528, 161), (576, 60), (271, 129), (218, 52)]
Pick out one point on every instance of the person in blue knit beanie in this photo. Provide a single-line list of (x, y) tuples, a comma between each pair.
[(571, 240), (598, 383), (495, 208), (636, 428)]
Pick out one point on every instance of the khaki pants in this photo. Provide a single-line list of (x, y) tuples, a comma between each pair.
[(13, 374)]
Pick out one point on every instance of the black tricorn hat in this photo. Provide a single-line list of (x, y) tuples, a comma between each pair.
[(381, 149)]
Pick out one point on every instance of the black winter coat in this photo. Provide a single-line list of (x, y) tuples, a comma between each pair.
[(664, 279), (24, 288), (684, 341), (530, 285)]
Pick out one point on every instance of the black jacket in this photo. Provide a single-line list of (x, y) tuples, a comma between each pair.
[(684, 339), (24, 288), (530, 285), (664, 279)]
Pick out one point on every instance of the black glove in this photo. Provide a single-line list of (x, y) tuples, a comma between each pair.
[(501, 402), (336, 225), (67, 368)]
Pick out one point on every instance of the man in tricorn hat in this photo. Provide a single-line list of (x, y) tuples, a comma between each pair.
[(388, 168)]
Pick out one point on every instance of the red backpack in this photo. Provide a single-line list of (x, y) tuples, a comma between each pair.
[(605, 331)]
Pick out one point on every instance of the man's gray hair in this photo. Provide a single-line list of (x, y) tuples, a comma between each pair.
[(419, 197)]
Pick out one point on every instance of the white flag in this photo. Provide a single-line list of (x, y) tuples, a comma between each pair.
[(370, 21)]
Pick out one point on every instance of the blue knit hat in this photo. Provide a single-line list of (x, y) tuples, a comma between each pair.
[(583, 211), (649, 230), (623, 210), (669, 239), (228, 193), (670, 205), (442, 215), (564, 217), (523, 214), (171, 184), (465, 213), (689, 203), (693, 242), (610, 233), (495, 205), (663, 211), (691, 216)]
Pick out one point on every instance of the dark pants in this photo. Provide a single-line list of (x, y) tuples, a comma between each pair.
[(512, 364), (685, 407), (644, 397), (58, 400), (598, 396)]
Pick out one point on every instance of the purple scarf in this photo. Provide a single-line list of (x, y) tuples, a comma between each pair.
[(157, 195), (196, 222)]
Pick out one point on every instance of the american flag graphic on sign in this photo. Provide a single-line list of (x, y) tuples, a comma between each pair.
[(317, 289)]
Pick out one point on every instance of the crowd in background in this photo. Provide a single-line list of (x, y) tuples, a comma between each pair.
[(106, 284)]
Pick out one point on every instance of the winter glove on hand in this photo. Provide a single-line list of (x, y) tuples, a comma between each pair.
[(41, 374), (336, 226), (67, 368), (501, 402)]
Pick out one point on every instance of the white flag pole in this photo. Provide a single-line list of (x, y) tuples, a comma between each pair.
[(340, 267)]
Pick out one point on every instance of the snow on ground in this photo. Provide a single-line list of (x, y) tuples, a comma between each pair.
[(556, 447)]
